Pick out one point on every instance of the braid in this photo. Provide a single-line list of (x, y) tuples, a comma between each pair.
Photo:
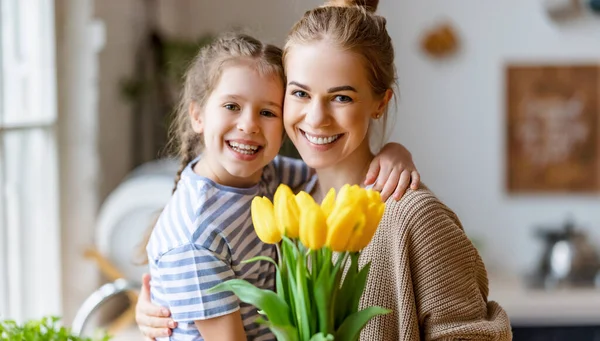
[(188, 151)]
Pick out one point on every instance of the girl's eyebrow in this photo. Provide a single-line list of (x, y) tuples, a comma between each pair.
[(237, 98)]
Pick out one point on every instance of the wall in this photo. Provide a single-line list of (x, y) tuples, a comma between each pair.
[(451, 113), (77, 114)]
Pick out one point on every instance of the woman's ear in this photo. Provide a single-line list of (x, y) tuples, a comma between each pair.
[(387, 96), (195, 111)]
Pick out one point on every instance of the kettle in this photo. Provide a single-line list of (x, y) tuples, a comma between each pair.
[(569, 259)]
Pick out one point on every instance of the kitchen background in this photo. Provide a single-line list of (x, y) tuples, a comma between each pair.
[(453, 114)]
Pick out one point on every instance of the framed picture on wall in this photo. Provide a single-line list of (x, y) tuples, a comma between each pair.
[(553, 134)]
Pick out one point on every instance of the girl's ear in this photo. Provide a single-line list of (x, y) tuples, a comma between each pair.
[(195, 111)]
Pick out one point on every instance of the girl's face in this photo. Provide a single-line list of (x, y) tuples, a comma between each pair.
[(328, 104), (242, 124)]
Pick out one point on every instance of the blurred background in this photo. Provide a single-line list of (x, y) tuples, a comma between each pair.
[(499, 103)]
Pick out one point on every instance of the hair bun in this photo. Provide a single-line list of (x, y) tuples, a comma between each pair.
[(369, 5)]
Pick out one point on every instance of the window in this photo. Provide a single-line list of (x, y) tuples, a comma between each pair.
[(29, 222)]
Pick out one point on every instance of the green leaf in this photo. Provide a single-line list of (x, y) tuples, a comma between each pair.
[(302, 300), (264, 258), (322, 337), (282, 333), (360, 281), (274, 307), (351, 327), (322, 296), (346, 293)]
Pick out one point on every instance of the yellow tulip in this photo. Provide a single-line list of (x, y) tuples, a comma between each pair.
[(362, 238), (263, 219), (287, 213), (341, 225), (313, 225), (328, 202)]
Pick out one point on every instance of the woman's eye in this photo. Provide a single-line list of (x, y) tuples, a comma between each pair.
[(232, 107), (343, 98), (267, 113), (300, 94)]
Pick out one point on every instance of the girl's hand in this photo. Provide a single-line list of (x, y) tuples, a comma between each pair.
[(392, 170), (153, 321)]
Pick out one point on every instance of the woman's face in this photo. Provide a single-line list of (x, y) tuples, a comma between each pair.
[(328, 104)]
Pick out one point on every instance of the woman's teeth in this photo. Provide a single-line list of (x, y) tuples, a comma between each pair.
[(321, 140), (243, 148)]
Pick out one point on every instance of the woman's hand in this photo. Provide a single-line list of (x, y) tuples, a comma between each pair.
[(391, 172), (153, 321)]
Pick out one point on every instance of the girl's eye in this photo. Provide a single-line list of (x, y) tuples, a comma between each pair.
[(299, 94), (343, 99), (232, 107), (267, 113)]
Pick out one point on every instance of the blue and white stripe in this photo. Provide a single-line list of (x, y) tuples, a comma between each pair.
[(200, 240)]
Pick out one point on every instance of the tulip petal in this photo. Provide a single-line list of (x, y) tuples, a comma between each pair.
[(341, 224), (287, 213), (313, 227), (264, 221), (328, 202)]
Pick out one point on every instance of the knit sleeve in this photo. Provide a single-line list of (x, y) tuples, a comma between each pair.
[(449, 278)]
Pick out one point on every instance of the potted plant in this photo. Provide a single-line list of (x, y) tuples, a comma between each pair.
[(45, 329)]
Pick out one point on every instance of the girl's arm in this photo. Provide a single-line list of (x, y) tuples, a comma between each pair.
[(152, 320), (223, 328), (392, 171)]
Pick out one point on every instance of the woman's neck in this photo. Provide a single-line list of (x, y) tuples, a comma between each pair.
[(351, 170)]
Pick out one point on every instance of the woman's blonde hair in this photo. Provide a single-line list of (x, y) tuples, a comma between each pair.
[(351, 25)]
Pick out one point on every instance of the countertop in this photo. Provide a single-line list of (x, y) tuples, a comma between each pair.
[(534, 307)]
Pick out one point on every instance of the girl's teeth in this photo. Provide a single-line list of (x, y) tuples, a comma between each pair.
[(321, 140), (243, 148)]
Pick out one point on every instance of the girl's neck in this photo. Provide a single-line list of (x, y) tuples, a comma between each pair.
[(351, 170)]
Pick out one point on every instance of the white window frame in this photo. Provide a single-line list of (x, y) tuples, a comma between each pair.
[(30, 282)]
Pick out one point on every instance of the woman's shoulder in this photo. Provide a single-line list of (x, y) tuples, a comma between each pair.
[(416, 203), (419, 212)]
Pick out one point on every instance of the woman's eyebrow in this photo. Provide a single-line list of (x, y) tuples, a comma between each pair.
[(305, 87), (341, 88)]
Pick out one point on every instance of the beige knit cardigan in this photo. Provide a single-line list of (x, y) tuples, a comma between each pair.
[(426, 270)]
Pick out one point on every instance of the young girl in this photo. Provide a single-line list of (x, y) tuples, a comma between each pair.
[(229, 127)]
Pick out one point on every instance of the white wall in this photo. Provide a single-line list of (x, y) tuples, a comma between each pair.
[(451, 112), (451, 115)]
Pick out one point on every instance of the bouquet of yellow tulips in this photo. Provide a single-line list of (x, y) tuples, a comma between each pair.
[(313, 300)]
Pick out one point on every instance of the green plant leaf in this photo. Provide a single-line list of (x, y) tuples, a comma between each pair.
[(322, 296), (360, 281), (343, 302), (322, 337), (302, 300), (44, 329), (259, 258), (268, 301), (282, 333), (351, 327)]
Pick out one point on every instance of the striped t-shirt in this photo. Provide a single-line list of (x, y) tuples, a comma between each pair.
[(200, 240)]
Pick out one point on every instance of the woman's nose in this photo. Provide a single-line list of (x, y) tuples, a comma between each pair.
[(248, 122), (316, 115)]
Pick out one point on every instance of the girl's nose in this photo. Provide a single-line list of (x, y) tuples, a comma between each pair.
[(248, 123)]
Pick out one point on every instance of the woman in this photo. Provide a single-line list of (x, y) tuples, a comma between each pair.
[(339, 63)]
